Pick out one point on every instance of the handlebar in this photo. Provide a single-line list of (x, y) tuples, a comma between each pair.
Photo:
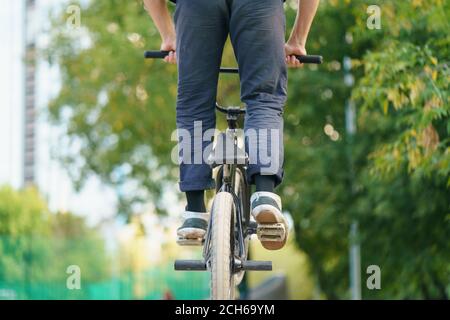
[(311, 59)]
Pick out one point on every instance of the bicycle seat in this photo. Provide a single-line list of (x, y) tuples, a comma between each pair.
[(227, 151)]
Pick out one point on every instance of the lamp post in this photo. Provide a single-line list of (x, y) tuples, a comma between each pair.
[(350, 128)]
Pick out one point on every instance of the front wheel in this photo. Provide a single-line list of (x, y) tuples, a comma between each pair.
[(222, 248)]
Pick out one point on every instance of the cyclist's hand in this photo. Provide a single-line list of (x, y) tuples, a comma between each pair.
[(170, 45), (292, 50)]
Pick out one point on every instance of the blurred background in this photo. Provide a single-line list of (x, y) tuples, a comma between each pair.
[(87, 182)]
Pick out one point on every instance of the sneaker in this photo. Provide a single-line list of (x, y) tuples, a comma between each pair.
[(194, 226), (266, 209)]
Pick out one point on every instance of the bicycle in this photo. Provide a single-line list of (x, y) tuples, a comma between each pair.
[(225, 246)]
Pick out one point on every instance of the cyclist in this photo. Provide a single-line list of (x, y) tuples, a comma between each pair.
[(257, 32)]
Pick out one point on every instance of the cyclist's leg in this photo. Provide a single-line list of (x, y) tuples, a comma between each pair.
[(257, 30), (257, 33), (202, 29)]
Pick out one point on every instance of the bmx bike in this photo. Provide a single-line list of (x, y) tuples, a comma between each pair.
[(226, 243)]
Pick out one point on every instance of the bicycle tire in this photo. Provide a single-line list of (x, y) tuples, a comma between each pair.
[(220, 262)]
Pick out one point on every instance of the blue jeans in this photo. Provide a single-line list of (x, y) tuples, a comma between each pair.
[(257, 31)]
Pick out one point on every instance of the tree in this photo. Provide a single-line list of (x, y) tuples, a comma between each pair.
[(119, 110), (37, 247), (358, 178), (23, 217), (406, 113)]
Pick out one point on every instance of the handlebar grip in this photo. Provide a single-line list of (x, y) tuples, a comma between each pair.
[(156, 54), (310, 59)]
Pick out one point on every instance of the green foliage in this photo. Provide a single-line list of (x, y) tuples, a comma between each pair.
[(37, 246), (21, 217), (410, 70), (392, 176), (404, 200), (118, 108)]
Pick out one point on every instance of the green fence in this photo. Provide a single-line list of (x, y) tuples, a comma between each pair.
[(35, 268), (157, 283)]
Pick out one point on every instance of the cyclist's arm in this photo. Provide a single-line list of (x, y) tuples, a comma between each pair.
[(297, 41), (305, 15), (159, 12), (160, 15)]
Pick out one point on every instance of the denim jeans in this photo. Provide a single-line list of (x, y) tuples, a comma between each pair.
[(257, 31)]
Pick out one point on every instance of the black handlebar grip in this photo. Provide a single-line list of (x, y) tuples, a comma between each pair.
[(310, 59), (156, 54)]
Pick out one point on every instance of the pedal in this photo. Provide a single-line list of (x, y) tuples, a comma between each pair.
[(271, 232), (189, 265), (189, 242), (251, 265)]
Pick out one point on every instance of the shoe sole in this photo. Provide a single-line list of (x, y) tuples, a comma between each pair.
[(268, 217), (191, 233)]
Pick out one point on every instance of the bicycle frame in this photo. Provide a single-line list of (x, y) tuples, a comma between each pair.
[(227, 176)]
